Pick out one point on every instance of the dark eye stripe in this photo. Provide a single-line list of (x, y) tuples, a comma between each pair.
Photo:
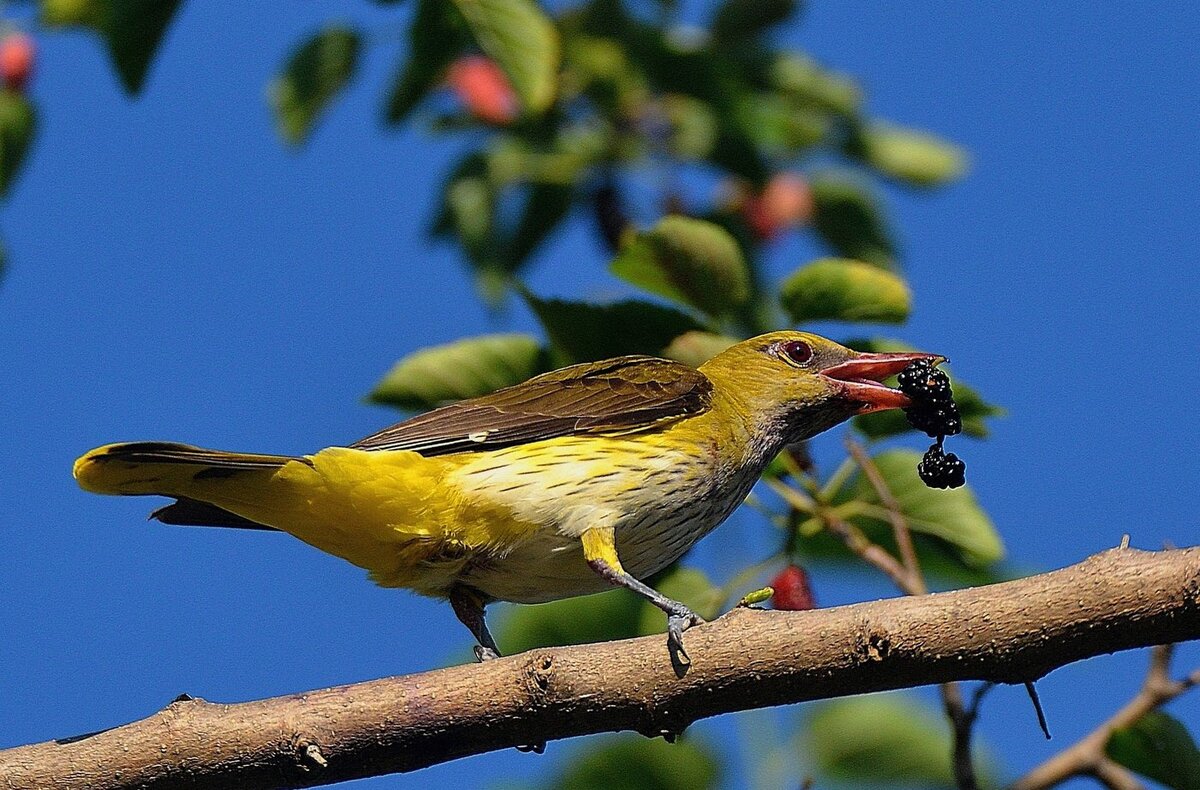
[(797, 352)]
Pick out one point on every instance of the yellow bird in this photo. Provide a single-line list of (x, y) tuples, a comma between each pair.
[(594, 475)]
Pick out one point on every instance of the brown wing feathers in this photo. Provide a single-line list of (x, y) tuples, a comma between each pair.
[(616, 394)]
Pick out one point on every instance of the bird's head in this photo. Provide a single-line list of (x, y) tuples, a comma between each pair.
[(797, 384)]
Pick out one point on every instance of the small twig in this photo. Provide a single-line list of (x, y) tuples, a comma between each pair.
[(1031, 690), (1087, 757), (981, 691), (868, 551), (961, 722), (1115, 776), (903, 535), (795, 498)]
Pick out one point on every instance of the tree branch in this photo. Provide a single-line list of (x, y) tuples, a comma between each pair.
[(1087, 757), (1009, 633)]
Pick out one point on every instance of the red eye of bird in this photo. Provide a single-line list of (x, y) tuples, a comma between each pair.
[(797, 351)]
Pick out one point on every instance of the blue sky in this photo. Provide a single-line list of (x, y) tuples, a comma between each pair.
[(177, 274)]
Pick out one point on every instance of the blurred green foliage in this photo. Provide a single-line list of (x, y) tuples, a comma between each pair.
[(865, 741), (1158, 747)]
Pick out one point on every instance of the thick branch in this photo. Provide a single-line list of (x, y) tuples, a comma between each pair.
[(1009, 632)]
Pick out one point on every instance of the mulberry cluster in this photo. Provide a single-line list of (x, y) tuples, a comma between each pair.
[(939, 469), (935, 414)]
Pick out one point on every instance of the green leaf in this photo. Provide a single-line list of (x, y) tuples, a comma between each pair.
[(914, 157), (472, 166), (742, 20), (600, 68), (686, 585), (974, 410), (60, 13), (798, 77), (436, 38), (696, 348), (779, 125), (1158, 747), (518, 160), (468, 216), (546, 206), (694, 127), (735, 151), (952, 515), (690, 261), (583, 332), (571, 621), (17, 125), (845, 290), (522, 41), (631, 762), (881, 739), (849, 219), (315, 73), (463, 369), (132, 30)]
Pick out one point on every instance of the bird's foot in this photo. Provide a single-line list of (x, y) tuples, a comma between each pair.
[(679, 619)]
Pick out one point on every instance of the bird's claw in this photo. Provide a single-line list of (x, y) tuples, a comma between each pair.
[(485, 654), (679, 621)]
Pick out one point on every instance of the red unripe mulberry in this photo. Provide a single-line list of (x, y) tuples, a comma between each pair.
[(793, 593), (484, 89), (16, 60)]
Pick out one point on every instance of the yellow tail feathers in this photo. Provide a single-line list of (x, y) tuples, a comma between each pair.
[(163, 468)]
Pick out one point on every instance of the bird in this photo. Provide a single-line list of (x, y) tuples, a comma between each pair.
[(591, 476)]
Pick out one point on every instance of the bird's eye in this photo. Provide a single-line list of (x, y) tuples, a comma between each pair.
[(796, 351)]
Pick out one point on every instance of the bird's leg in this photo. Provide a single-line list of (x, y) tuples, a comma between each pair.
[(600, 551), (468, 604), (468, 607)]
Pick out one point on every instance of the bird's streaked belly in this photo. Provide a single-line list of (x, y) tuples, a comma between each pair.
[(667, 503)]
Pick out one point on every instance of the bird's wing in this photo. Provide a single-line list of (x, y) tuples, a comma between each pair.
[(619, 394)]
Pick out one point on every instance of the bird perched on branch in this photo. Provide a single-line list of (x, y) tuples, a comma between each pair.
[(594, 475)]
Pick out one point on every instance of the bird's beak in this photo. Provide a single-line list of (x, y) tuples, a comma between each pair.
[(858, 379)]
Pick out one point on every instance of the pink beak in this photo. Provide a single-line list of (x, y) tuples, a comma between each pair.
[(861, 375)]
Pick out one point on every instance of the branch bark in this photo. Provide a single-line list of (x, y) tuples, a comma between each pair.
[(1008, 633)]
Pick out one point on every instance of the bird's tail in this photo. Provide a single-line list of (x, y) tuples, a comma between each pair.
[(165, 468)]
